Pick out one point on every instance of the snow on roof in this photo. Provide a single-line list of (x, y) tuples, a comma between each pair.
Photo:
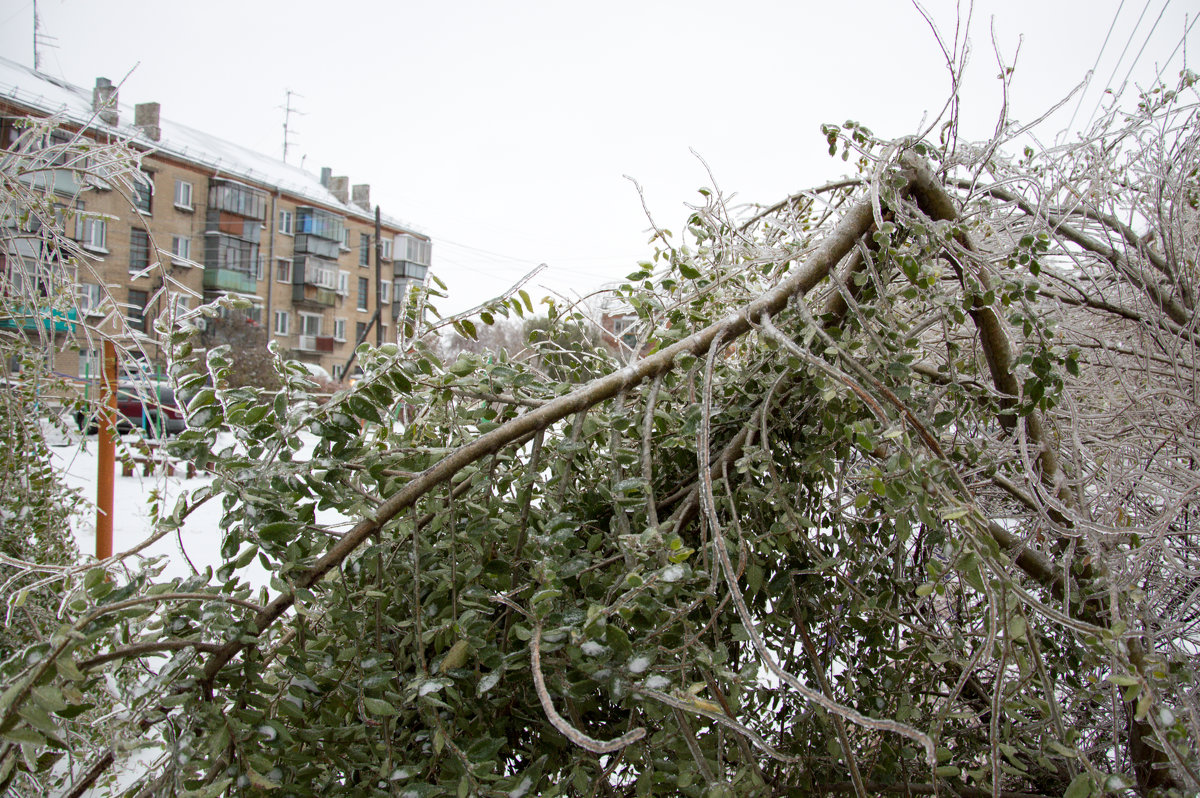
[(51, 96)]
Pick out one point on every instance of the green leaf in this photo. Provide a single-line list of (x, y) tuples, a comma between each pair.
[(377, 706), (259, 780), (23, 735), (1080, 787)]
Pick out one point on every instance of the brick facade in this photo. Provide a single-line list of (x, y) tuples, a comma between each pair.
[(233, 237)]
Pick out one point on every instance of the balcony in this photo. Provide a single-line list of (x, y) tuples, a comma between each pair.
[(230, 224), (314, 343), (314, 295), (229, 280), (307, 244), (47, 319), (323, 224), (237, 198), (232, 253), (410, 270)]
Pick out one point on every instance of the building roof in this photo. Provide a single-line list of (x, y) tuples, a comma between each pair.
[(46, 95)]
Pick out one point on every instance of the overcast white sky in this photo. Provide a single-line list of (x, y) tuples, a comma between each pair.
[(504, 129)]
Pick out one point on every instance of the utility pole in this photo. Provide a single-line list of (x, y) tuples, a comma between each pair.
[(106, 465), (379, 278)]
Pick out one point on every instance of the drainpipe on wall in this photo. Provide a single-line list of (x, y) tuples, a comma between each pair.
[(268, 321)]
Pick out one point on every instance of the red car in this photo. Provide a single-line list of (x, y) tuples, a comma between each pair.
[(147, 406)]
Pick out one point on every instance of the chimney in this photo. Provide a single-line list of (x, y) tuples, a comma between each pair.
[(104, 101), (362, 196), (145, 116), (326, 173), (340, 187)]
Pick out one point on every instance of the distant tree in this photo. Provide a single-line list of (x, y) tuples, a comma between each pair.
[(900, 499), (566, 346), (247, 341)]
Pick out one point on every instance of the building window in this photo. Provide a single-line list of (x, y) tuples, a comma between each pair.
[(181, 249), (343, 286), (339, 329), (286, 223), (282, 322), (95, 234), (363, 288), (90, 297), (261, 271), (139, 250), (283, 270), (183, 195), (180, 307), (337, 371), (360, 331), (387, 248), (89, 364), (143, 192), (135, 314), (310, 324), (385, 292), (346, 239), (364, 249)]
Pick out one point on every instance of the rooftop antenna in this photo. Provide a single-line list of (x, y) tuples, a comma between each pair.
[(39, 39), (37, 61), (288, 110)]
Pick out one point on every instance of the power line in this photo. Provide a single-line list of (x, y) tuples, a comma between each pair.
[(1138, 57), (1111, 26), (1108, 84)]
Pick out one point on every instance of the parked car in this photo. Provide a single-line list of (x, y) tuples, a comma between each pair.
[(148, 406)]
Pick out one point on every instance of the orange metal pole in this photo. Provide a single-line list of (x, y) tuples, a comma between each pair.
[(108, 449)]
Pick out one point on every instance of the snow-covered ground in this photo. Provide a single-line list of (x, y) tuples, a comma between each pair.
[(199, 541)]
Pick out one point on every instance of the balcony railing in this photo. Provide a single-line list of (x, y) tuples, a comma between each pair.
[(317, 222), (229, 280), (314, 343), (315, 245), (314, 295), (409, 270), (48, 319), (237, 198)]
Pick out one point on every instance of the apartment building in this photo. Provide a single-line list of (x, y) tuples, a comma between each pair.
[(211, 218)]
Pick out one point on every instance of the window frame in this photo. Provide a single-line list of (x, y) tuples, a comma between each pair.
[(91, 296), (282, 329), (135, 313), (88, 237), (364, 249), (288, 229), (305, 319), (339, 328), (363, 300), (90, 364), (141, 247), (184, 203), (143, 193), (178, 257), (281, 262)]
